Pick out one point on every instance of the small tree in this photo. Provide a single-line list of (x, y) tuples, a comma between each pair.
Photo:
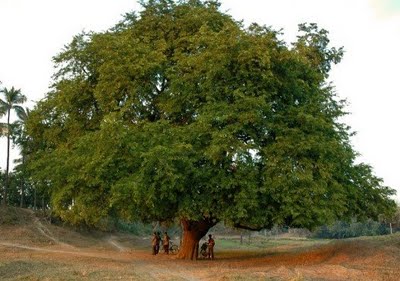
[(182, 113), (392, 220), (395, 220)]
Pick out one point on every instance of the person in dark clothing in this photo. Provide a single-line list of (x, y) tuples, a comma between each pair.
[(165, 242), (158, 242)]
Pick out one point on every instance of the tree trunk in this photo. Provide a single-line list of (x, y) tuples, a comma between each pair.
[(21, 203), (23, 182), (7, 182), (193, 231), (35, 199)]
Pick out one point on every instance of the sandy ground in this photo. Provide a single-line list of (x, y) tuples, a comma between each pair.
[(40, 251)]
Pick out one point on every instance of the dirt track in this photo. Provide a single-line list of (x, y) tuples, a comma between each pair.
[(44, 252)]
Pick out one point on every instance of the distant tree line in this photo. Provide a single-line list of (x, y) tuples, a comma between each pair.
[(22, 192), (342, 229)]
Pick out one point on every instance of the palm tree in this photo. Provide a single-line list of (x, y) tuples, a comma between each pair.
[(21, 139), (12, 97)]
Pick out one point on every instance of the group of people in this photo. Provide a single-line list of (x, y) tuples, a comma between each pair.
[(156, 240), (207, 248)]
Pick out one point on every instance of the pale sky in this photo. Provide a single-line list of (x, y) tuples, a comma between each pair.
[(32, 32)]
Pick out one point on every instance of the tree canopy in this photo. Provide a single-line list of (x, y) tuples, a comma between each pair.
[(182, 112)]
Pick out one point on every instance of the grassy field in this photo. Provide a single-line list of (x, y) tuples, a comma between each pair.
[(32, 249)]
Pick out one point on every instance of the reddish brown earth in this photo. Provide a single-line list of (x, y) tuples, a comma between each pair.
[(32, 249)]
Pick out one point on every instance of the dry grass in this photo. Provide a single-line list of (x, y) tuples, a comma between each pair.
[(31, 249)]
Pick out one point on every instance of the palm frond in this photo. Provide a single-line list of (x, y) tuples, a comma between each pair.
[(13, 96), (21, 112), (3, 107)]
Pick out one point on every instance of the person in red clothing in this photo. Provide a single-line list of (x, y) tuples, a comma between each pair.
[(154, 243), (211, 244)]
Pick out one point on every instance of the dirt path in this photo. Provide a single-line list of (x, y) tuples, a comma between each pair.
[(112, 240), (45, 252), (323, 263), (48, 234)]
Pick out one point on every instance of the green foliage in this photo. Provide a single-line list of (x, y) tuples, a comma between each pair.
[(340, 229), (19, 183), (181, 112), (12, 98), (135, 228)]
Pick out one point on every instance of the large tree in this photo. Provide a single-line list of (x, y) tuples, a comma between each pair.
[(182, 112), (12, 98)]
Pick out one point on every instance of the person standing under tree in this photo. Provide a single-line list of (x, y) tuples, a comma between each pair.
[(158, 242), (166, 239), (154, 243), (211, 244)]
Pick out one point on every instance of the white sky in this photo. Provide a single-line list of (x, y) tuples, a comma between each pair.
[(32, 32)]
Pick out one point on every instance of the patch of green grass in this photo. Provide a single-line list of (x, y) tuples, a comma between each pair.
[(13, 216), (28, 270), (12, 269), (266, 243), (391, 240)]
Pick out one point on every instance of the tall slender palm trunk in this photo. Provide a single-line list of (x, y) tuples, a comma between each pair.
[(7, 180), (21, 203)]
